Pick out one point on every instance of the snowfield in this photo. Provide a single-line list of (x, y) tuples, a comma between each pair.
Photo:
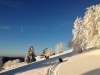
[(86, 63)]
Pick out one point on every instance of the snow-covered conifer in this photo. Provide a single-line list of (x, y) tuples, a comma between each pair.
[(30, 56)]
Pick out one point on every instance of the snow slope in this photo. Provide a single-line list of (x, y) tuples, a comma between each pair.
[(40, 67), (86, 63)]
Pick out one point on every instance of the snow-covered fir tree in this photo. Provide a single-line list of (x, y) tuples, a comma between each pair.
[(86, 31), (30, 56)]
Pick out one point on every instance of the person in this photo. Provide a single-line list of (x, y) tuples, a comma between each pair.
[(47, 57), (60, 60)]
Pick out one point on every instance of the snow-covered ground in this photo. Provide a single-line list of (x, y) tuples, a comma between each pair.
[(87, 63)]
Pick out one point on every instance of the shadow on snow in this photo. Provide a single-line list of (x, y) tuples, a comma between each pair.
[(93, 72)]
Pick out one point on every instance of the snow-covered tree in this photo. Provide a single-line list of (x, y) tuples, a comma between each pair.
[(30, 56), (47, 52), (92, 25), (59, 47), (78, 42), (8, 64), (15, 62), (86, 31)]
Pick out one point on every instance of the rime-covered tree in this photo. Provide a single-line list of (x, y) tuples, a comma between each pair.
[(8, 64), (47, 52), (86, 31), (59, 47), (15, 62), (78, 41), (92, 25), (30, 56)]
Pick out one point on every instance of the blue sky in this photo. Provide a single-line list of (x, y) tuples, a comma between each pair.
[(42, 23)]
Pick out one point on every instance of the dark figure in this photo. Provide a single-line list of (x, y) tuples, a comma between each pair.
[(60, 60), (47, 57)]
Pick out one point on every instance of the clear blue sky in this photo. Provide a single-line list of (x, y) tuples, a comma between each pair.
[(42, 23)]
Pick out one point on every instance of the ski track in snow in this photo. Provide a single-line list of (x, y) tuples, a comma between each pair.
[(53, 69)]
